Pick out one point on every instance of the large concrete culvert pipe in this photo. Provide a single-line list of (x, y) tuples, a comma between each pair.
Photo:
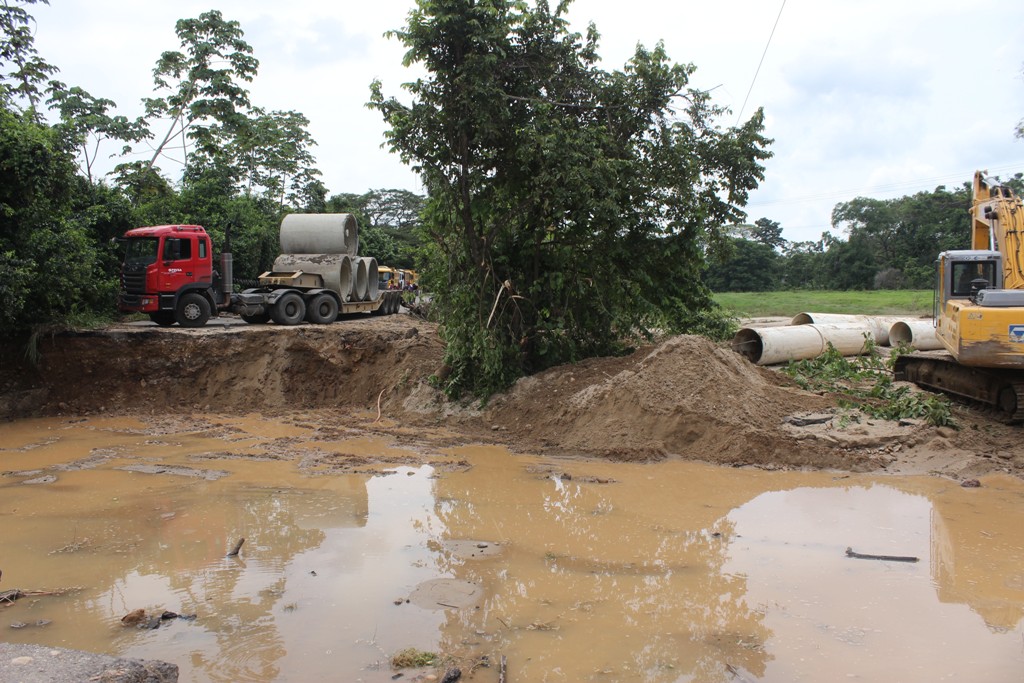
[(372, 278), (360, 283), (919, 334), (335, 269), (319, 233), (877, 325), (773, 345)]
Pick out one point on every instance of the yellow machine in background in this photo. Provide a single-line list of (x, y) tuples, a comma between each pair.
[(979, 308), (395, 278)]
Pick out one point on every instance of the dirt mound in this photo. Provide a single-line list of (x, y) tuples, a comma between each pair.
[(684, 396)]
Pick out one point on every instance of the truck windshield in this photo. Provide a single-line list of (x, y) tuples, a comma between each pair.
[(142, 250)]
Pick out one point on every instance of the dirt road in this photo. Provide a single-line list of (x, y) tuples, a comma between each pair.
[(682, 398)]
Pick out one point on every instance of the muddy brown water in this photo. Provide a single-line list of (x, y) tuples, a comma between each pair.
[(574, 570)]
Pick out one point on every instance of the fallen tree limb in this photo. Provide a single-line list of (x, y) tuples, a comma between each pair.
[(884, 558), (238, 546), (9, 596)]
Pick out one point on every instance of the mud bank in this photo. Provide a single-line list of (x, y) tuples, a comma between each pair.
[(684, 397)]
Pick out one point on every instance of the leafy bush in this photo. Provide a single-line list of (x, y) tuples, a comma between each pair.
[(867, 383)]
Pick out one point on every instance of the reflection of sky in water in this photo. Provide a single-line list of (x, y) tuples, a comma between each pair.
[(324, 608), (837, 618)]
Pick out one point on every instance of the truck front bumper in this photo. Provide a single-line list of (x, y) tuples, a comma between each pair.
[(144, 303)]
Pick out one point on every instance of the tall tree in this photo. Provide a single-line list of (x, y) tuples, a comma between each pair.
[(87, 123), (569, 206), (25, 72), (205, 101), (47, 261), (768, 233), (273, 152)]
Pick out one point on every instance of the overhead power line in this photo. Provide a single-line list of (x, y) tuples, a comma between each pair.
[(754, 80)]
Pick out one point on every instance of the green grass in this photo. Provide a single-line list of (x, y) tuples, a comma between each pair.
[(789, 303)]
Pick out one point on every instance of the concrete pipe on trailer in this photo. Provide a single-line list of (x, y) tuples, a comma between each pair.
[(877, 325), (372, 278), (360, 284), (319, 233), (918, 334), (774, 345), (335, 269)]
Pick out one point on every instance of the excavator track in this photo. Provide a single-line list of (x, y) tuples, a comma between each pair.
[(1002, 389)]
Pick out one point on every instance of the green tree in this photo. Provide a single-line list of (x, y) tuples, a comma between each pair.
[(205, 102), (25, 73), (569, 207), (273, 152), (768, 233), (803, 265), (86, 122), (751, 266), (907, 233), (48, 261)]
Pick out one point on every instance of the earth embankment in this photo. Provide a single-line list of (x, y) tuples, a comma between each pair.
[(683, 397)]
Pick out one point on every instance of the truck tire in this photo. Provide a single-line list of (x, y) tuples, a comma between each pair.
[(290, 309), (257, 319), (193, 310), (163, 318), (322, 309)]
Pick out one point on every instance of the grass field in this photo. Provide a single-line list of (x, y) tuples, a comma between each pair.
[(789, 303)]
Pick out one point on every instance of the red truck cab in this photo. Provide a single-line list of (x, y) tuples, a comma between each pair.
[(168, 273)]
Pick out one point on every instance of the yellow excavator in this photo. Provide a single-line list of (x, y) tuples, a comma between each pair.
[(979, 309)]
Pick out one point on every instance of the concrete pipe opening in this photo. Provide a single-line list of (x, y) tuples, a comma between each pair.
[(773, 345), (319, 233), (372, 281), (918, 334), (345, 279), (361, 286)]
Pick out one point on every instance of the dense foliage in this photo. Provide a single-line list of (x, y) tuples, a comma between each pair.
[(569, 207), (867, 386), (889, 244)]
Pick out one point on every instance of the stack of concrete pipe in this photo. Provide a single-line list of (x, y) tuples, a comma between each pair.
[(328, 244), (809, 334)]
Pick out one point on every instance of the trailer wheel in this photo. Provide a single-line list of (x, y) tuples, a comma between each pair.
[(257, 319), (290, 309), (163, 318), (322, 309), (193, 310)]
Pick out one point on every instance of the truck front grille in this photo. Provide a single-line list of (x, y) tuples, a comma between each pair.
[(134, 280)]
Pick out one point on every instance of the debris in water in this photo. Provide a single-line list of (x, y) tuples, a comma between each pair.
[(884, 558)]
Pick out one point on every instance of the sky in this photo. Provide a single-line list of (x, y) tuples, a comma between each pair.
[(866, 98)]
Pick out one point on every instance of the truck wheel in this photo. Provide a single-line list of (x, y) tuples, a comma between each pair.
[(163, 318), (290, 309), (322, 309), (257, 319), (193, 310)]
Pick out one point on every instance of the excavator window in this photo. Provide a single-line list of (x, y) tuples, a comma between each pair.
[(965, 273)]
